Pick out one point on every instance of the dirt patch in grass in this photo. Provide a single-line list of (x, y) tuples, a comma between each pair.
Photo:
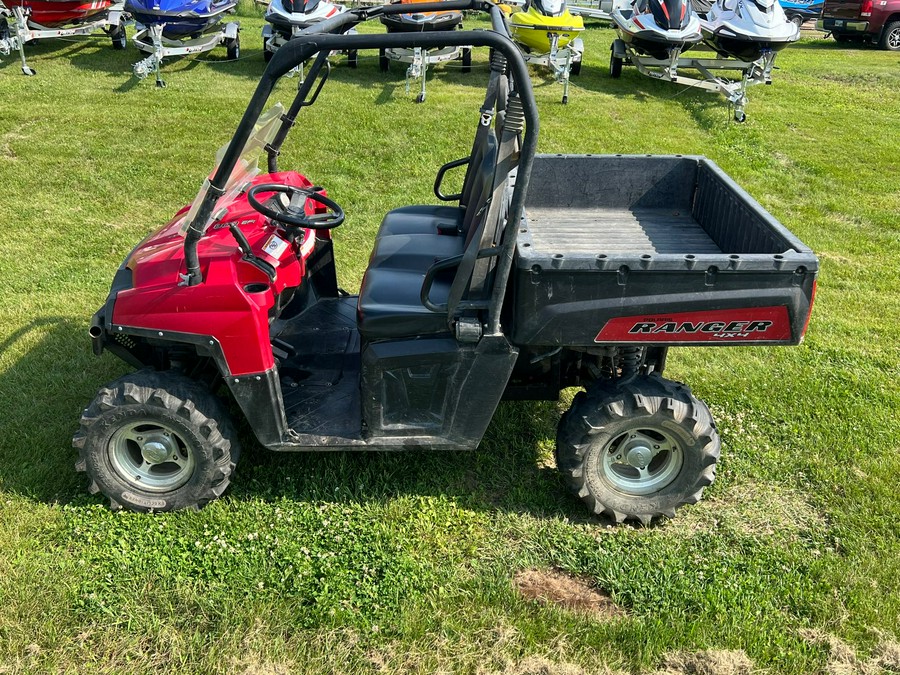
[(251, 665), (570, 592), (859, 79), (843, 659), (708, 662), (887, 655), (756, 510), (538, 665)]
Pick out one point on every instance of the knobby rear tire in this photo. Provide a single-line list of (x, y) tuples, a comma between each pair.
[(592, 434)]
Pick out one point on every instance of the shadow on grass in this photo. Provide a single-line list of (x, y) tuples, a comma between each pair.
[(45, 389), (36, 50), (251, 66), (824, 44), (42, 394), (509, 472), (708, 108)]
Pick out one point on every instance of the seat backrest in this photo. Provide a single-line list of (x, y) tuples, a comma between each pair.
[(475, 158), (482, 179), (473, 276)]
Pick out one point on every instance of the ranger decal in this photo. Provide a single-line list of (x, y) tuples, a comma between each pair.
[(757, 324)]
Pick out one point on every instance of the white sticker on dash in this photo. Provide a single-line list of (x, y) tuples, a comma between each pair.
[(275, 247)]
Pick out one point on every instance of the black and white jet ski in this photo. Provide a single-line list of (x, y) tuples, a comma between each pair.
[(747, 30), (661, 29), (286, 18)]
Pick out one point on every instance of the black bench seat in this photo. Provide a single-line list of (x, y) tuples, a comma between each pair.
[(423, 219)]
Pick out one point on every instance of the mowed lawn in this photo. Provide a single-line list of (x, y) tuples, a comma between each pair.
[(412, 562)]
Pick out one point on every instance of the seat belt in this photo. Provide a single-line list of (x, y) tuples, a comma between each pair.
[(485, 119)]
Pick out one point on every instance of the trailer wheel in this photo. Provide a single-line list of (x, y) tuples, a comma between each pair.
[(890, 37), (615, 66), (467, 59), (383, 61), (233, 47), (797, 20), (352, 58), (156, 441), (118, 38), (576, 68), (267, 55), (637, 451)]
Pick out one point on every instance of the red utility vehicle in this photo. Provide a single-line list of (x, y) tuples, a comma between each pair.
[(543, 272)]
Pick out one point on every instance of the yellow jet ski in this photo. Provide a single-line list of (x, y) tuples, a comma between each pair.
[(535, 26), (547, 34)]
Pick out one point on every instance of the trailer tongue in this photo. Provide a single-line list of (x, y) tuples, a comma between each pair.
[(530, 280)]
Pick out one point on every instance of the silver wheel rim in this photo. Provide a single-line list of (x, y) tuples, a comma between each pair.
[(151, 457), (641, 461), (894, 39)]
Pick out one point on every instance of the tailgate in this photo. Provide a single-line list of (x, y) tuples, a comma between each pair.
[(841, 9)]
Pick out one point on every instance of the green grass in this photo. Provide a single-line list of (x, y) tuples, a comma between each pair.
[(396, 562)]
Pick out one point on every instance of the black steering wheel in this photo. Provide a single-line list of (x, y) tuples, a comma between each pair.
[(294, 214)]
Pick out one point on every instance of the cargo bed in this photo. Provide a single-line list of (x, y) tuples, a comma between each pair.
[(654, 249)]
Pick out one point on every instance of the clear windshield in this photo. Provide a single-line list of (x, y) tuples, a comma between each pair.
[(245, 169)]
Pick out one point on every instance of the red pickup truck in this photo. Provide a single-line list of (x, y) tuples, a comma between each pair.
[(857, 20)]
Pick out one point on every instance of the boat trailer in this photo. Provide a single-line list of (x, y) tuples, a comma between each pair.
[(24, 30), (734, 90)]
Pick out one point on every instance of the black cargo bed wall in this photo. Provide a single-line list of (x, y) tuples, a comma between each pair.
[(616, 182), (732, 219)]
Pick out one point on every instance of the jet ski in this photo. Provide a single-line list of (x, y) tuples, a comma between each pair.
[(48, 19), (286, 18), (418, 59), (547, 34), (662, 29), (541, 23), (799, 11), (748, 30), (180, 27), (416, 22)]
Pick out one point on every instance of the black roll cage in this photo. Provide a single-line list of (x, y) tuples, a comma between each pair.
[(324, 37)]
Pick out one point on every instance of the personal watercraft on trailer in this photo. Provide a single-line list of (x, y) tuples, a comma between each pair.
[(662, 29), (181, 27), (546, 32), (418, 59), (744, 39), (286, 18), (45, 19), (748, 30)]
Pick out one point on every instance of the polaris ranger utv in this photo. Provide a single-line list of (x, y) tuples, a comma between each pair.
[(544, 272)]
